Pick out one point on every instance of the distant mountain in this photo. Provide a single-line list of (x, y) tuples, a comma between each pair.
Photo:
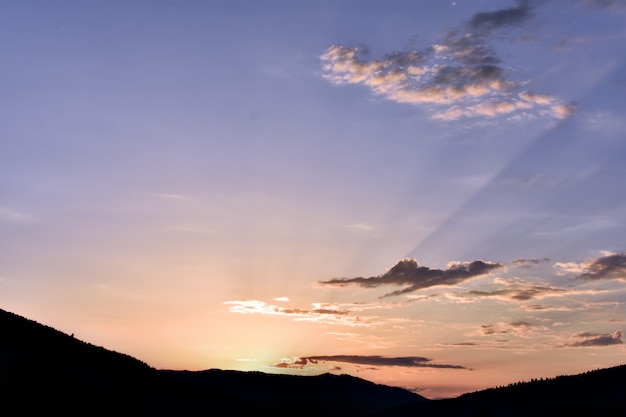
[(45, 371), (598, 393)]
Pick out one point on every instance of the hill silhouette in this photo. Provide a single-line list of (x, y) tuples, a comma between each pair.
[(597, 393), (45, 371)]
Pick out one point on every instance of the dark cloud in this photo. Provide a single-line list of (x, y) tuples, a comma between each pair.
[(520, 324), (544, 307), (538, 307), (460, 344), (527, 263), (523, 293), (373, 360), (586, 339), (409, 272), (489, 329), (516, 328), (607, 267), (487, 21)]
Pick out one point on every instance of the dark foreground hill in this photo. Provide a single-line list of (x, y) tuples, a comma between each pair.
[(47, 372)]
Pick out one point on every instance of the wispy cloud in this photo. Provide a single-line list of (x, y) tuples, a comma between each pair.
[(320, 312), (518, 292), (408, 272), (372, 360), (606, 4), (543, 308), (528, 263), (587, 339), (459, 77), (460, 344), (520, 328), (256, 306)]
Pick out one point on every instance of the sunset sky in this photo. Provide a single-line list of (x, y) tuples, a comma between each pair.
[(427, 194)]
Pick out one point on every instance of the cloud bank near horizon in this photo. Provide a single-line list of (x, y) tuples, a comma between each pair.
[(371, 360), (460, 77)]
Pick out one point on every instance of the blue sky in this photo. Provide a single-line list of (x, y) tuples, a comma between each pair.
[(302, 186)]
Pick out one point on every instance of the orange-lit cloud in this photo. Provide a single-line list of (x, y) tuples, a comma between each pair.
[(520, 328), (611, 266), (461, 76), (321, 312)]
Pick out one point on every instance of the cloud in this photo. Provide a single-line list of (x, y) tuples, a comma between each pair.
[(528, 263), (256, 306), (609, 266), (519, 328), (587, 339), (372, 360), (520, 292), (487, 21), (545, 308), (409, 272), (460, 77), (488, 329), (328, 313), (460, 344), (612, 266), (606, 4)]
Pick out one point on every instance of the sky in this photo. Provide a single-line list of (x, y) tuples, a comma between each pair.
[(426, 194)]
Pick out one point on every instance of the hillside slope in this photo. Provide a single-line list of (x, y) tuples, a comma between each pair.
[(44, 371)]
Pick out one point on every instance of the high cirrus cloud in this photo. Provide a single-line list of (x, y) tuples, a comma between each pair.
[(414, 277), (372, 360), (461, 76)]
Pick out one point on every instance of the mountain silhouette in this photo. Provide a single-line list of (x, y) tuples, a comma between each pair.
[(46, 372)]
